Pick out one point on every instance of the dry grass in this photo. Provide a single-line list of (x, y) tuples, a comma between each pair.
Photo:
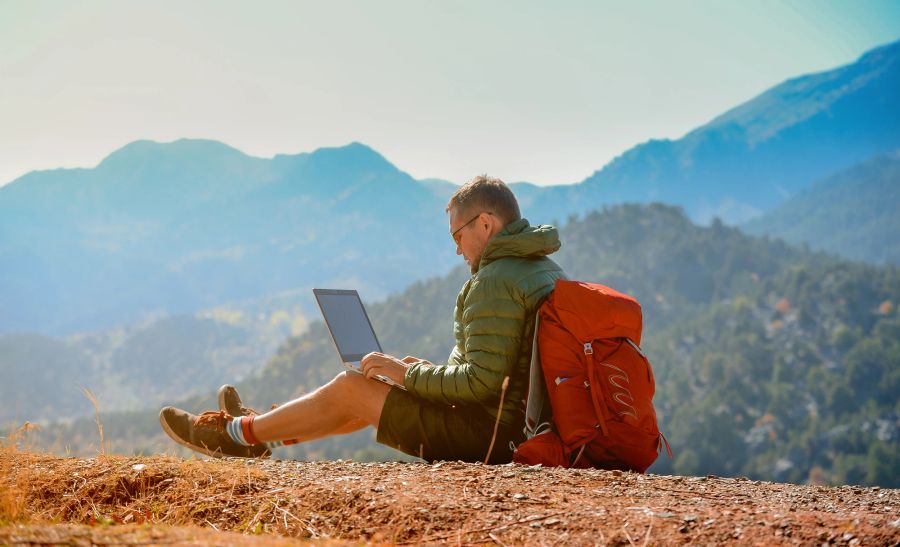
[(12, 485), (96, 404)]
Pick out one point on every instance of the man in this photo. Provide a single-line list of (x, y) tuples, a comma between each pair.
[(472, 407)]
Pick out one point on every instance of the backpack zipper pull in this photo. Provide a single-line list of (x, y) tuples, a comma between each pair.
[(588, 350)]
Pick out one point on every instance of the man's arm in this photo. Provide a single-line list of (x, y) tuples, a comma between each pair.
[(492, 342)]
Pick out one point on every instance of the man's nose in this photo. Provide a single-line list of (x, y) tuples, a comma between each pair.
[(458, 250)]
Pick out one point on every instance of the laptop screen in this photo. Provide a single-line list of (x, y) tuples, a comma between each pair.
[(349, 325)]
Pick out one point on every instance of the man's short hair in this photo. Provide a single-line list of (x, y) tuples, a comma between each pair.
[(484, 193)]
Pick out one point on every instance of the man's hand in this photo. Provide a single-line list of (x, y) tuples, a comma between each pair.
[(379, 364)]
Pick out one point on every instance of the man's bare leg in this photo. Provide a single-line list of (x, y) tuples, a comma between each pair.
[(346, 404)]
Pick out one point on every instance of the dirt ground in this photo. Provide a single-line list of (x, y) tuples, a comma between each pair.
[(165, 500)]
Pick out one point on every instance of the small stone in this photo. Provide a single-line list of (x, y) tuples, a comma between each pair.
[(689, 518), (139, 467), (535, 524), (895, 523), (664, 515), (519, 496), (507, 475), (616, 473)]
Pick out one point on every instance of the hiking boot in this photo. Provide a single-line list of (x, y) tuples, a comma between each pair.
[(230, 402), (206, 434)]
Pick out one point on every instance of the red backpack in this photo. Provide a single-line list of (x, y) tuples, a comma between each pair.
[(600, 385)]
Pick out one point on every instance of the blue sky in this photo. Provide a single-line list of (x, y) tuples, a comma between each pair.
[(540, 91)]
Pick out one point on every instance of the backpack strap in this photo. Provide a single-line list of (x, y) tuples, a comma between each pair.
[(537, 405)]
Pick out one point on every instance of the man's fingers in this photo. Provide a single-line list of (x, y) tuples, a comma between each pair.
[(371, 368)]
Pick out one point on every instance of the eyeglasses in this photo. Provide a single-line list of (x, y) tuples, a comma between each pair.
[(458, 238)]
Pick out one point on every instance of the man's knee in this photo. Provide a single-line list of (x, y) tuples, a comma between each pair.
[(363, 397), (349, 380)]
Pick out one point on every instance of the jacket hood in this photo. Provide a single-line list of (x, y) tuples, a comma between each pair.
[(521, 240)]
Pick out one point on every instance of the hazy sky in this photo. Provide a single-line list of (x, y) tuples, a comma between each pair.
[(540, 91)]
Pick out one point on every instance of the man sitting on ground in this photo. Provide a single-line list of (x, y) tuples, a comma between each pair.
[(449, 411)]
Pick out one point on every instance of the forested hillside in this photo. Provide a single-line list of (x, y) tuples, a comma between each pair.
[(134, 367), (771, 362), (852, 213)]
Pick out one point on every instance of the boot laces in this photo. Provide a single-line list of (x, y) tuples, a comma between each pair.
[(247, 411), (213, 419)]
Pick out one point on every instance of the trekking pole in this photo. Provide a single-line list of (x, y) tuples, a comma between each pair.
[(497, 423)]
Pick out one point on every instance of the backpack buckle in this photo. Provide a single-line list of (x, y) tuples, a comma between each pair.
[(588, 350)]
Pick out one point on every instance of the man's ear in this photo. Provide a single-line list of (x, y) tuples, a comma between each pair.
[(495, 224)]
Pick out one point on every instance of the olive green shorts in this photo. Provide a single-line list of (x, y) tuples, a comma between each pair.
[(434, 431)]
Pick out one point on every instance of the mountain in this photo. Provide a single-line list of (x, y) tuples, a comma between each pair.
[(852, 213), (177, 227), (746, 161), (770, 361), (173, 228), (443, 189)]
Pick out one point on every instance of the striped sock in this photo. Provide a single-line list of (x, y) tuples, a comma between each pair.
[(235, 430), (240, 430)]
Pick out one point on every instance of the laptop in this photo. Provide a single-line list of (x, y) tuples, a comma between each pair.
[(350, 328)]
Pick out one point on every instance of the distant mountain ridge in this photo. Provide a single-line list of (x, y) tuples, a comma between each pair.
[(750, 158), (852, 213), (192, 224), (176, 227)]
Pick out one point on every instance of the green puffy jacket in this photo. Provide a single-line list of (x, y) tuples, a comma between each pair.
[(494, 324)]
